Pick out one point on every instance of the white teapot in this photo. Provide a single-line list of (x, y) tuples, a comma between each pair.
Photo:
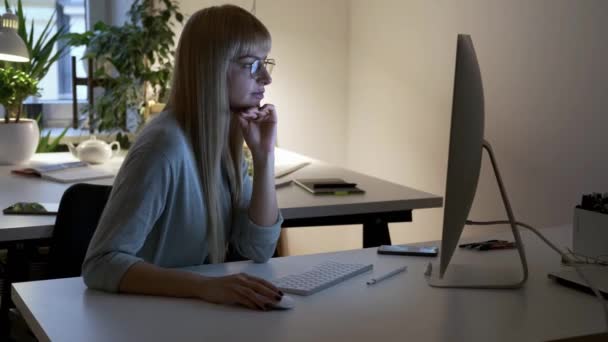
[(94, 151)]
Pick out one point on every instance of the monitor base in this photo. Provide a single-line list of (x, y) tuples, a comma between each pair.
[(477, 277)]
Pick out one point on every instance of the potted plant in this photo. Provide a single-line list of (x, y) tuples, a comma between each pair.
[(19, 137), (140, 52)]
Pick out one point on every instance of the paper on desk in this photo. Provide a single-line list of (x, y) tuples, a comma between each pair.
[(64, 172)]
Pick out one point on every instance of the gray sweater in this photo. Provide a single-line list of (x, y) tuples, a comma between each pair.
[(156, 212)]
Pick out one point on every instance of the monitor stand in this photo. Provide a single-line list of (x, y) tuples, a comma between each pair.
[(478, 277), (483, 276)]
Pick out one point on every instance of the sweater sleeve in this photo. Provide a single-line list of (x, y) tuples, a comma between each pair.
[(136, 202), (253, 241)]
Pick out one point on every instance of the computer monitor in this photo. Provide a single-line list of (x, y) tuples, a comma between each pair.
[(464, 164)]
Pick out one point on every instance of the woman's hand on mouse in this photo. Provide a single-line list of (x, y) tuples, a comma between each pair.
[(259, 127), (241, 289)]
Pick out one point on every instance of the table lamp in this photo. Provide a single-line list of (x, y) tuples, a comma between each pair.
[(12, 47)]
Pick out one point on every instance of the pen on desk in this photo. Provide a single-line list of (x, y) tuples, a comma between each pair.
[(388, 275)]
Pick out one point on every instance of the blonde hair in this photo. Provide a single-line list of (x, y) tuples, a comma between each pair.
[(211, 39)]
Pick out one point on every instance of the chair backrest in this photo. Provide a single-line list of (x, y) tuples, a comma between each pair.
[(80, 208)]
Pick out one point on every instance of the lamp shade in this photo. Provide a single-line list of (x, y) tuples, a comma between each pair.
[(12, 47)]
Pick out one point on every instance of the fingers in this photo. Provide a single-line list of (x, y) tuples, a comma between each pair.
[(268, 107), (246, 299), (266, 294), (260, 286), (258, 291), (265, 113), (254, 115), (270, 112), (251, 113), (265, 284), (248, 296), (241, 289)]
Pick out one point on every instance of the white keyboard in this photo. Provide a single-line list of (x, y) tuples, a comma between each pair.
[(320, 277)]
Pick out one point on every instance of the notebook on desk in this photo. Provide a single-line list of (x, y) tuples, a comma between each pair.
[(328, 186), (64, 172)]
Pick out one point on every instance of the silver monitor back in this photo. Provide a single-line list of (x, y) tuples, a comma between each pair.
[(464, 165), (466, 142)]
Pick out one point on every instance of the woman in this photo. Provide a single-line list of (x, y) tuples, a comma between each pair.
[(183, 193)]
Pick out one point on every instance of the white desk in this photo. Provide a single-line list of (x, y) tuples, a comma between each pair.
[(402, 308), (299, 208), (16, 188)]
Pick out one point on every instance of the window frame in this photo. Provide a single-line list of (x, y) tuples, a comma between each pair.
[(58, 112)]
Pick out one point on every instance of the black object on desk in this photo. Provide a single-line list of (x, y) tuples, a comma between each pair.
[(595, 202), (328, 186), (31, 208), (489, 245)]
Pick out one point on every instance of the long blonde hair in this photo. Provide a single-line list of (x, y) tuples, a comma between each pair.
[(211, 39)]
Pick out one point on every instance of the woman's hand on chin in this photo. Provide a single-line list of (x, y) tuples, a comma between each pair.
[(259, 127)]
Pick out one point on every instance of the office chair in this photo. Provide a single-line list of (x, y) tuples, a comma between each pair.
[(79, 212)]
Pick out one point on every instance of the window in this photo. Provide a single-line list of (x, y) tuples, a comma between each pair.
[(57, 85)]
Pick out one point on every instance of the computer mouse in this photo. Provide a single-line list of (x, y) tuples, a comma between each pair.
[(286, 303)]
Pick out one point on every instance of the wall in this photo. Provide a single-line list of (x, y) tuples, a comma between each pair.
[(543, 66)]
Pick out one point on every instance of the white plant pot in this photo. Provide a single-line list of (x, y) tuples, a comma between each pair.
[(18, 141)]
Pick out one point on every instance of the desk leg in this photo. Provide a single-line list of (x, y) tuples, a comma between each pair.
[(4, 305), (375, 225), (376, 233)]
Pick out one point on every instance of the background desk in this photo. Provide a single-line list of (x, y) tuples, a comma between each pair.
[(402, 308), (382, 203)]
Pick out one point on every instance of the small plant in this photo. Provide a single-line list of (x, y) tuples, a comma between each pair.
[(20, 80), (46, 144), (123, 140), (15, 86)]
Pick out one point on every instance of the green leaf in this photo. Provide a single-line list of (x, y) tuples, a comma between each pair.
[(55, 142), (21, 19), (47, 144), (43, 144), (30, 39), (100, 26)]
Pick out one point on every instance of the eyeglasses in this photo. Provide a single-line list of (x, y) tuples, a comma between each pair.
[(256, 67)]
